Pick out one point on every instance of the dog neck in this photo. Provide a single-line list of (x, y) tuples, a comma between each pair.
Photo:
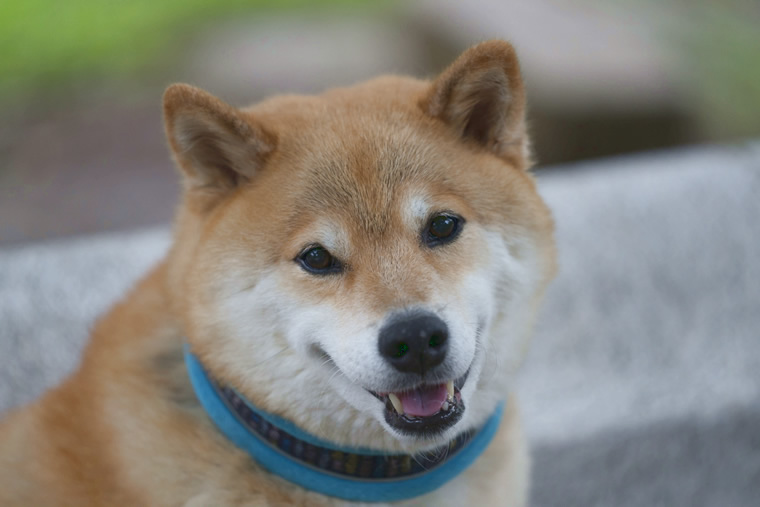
[(354, 474)]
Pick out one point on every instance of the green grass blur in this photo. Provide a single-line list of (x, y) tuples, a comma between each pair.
[(718, 45), (724, 46), (46, 43)]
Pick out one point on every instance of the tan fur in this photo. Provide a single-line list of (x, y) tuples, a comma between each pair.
[(126, 429)]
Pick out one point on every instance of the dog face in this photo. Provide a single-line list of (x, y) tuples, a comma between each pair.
[(368, 262)]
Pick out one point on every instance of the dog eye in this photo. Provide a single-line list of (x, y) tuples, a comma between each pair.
[(319, 261), (442, 229)]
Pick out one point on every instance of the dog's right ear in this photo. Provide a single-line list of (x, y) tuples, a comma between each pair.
[(216, 146)]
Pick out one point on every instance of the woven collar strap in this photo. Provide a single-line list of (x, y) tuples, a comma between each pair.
[(348, 473)]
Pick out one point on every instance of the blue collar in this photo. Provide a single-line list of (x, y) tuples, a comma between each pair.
[(348, 473)]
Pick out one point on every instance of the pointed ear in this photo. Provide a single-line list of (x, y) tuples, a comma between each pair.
[(481, 97), (216, 146)]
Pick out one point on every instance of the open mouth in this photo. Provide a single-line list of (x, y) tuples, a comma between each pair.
[(425, 410)]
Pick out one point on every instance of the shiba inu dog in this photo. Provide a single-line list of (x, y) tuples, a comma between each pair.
[(350, 291)]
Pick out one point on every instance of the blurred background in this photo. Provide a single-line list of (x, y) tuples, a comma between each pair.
[(642, 386), (81, 142)]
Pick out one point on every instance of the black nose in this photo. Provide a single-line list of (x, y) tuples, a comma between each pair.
[(414, 343)]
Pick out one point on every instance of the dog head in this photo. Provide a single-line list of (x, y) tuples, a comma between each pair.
[(367, 262)]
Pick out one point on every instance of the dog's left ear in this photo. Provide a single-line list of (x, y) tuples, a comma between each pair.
[(481, 97)]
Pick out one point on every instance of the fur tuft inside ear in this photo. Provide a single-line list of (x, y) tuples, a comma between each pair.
[(216, 146), (481, 96)]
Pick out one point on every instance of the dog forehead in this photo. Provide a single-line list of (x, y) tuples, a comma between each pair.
[(359, 153), (367, 173)]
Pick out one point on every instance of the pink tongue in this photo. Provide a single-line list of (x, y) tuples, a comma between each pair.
[(423, 401)]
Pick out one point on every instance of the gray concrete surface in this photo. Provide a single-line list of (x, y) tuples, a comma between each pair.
[(642, 388)]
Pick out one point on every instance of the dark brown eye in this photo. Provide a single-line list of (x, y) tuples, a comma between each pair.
[(318, 260), (442, 229), (442, 226)]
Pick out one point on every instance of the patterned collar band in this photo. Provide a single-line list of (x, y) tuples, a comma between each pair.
[(348, 473)]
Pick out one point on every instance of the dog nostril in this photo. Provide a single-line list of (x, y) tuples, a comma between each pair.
[(435, 341), (403, 348)]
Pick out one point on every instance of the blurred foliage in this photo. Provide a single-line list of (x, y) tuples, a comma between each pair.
[(724, 49), (717, 47), (47, 44), (44, 43)]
